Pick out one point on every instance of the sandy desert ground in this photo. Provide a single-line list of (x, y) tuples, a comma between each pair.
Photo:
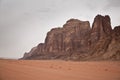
[(59, 70)]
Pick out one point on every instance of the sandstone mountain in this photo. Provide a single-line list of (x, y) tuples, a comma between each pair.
[(76, 40)]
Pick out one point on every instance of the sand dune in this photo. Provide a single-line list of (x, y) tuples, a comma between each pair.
[(58, 70)]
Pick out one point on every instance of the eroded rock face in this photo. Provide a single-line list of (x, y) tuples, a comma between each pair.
[(71, 37), (101, 35), (77, 41), (101, 28), (113, 51)]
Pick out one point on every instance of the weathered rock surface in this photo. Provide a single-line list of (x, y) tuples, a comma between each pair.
[(101, 35), (77, 41), (113, 51)]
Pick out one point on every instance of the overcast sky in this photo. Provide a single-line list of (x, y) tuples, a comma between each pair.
[(24, 23)]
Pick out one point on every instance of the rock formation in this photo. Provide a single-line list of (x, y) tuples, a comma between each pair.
[(77, 41)]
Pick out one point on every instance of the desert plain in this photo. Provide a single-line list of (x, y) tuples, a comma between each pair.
[(59, 70)]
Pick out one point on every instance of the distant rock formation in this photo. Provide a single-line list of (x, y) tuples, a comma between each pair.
[(77, 41)]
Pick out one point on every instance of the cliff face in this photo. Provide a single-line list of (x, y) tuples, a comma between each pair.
[(77, 41), (113, 51), (101, 35)]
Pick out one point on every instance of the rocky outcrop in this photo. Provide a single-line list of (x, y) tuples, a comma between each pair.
[(113, 51), (77, 41), (72, 37), (101, 35)]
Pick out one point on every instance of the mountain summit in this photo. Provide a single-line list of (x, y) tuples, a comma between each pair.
[(76, 40)]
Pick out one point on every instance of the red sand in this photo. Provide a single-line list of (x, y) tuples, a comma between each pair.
[(58, 70)]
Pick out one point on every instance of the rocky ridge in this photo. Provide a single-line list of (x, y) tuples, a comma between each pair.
[(76, 40)]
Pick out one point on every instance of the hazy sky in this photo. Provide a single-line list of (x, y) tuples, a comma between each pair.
[(24, 23)]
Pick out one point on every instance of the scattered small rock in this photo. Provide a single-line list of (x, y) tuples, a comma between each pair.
[(106, 69)]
